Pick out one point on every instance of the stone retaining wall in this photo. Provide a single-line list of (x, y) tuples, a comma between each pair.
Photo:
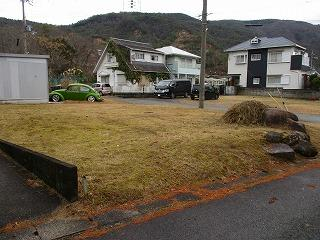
[(286, 93)]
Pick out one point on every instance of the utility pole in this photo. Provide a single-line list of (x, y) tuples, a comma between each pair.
[(311, 61), (203, 53), (24, 28)]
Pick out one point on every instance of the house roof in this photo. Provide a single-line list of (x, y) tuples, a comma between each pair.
[(264, 42), (170, 50), (135, 65), (7, 55), (149, 67), (133, 45)]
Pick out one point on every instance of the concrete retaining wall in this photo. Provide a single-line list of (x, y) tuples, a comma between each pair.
[(286, 93), (61, 176)]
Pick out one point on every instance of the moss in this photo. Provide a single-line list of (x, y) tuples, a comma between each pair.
[(123, 54)]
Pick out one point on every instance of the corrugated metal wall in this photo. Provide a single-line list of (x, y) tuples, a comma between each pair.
[(23, 80)]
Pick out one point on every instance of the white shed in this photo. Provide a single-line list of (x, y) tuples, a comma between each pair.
[(23, 78)]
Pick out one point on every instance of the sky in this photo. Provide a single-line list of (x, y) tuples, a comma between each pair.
[(62, 12)]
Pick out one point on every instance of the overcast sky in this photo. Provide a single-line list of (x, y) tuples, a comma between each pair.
[(71, 11)]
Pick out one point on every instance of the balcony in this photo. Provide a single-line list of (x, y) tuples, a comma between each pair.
[(300, 62)]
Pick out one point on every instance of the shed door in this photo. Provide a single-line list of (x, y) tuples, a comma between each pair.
[(121, 79)]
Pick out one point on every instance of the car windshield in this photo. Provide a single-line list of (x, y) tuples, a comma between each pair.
[(197, 87), (164, 83), (95, 85)]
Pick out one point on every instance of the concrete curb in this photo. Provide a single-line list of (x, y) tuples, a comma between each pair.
[(61, 176)]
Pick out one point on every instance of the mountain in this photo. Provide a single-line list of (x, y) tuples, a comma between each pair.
[(78, 44)]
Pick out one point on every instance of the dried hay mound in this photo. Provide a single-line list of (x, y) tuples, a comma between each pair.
[(246, 113)]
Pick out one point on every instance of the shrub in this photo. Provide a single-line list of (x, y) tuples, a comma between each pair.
[(315, 81)]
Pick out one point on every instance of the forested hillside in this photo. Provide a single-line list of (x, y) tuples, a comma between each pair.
[(77, 45)]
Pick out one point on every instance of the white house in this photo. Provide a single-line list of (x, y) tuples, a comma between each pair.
[(182, 64), (268, 63), (137, 59)]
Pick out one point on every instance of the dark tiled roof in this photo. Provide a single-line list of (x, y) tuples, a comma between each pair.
[(135, 45), (149, 67), (264, 43)]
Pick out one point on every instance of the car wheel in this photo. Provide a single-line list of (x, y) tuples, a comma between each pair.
[(185, 95), (172, 96), (55, 98), (91, 99), (192, 97)]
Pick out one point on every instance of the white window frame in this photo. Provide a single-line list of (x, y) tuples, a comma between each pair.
[(255, 57), (256, 80), (242, 58), (271, 79), (275, 57), (139, 56), (154, 58)]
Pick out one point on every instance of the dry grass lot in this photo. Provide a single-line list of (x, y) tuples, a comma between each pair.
[(293, 105), (132, 151)]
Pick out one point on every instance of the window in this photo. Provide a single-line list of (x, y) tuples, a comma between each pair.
[(189, 63), (275, 57), (154, 58), (109, 57), (139, 55), (84, 89), (241, 59), (73, 88), (186, 62), (256, 80), (255, 57), (275, 79)]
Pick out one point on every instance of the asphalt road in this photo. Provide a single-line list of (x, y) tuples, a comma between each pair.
[(283, 209), (210, 105), (19, 200)]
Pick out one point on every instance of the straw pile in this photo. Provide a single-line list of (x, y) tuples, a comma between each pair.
[(246, 113)]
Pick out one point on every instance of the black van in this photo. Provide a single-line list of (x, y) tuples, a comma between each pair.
[(172, 88), (209, 93)]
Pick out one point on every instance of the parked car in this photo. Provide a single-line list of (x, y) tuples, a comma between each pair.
[(75, 91), (210, 92), (173, 88), (55, 87), (102, 88)]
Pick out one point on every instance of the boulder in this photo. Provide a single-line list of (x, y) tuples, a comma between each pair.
[(302, 135), (274, 116), (306, 149), (296, 126), (295, 137), (274, 137), (281, 150)]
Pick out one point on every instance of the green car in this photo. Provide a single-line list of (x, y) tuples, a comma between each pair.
[(76, 92)]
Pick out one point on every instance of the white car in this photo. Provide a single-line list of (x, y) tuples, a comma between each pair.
[(102, 88)]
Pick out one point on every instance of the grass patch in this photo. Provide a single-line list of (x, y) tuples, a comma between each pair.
[(131, 151)]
